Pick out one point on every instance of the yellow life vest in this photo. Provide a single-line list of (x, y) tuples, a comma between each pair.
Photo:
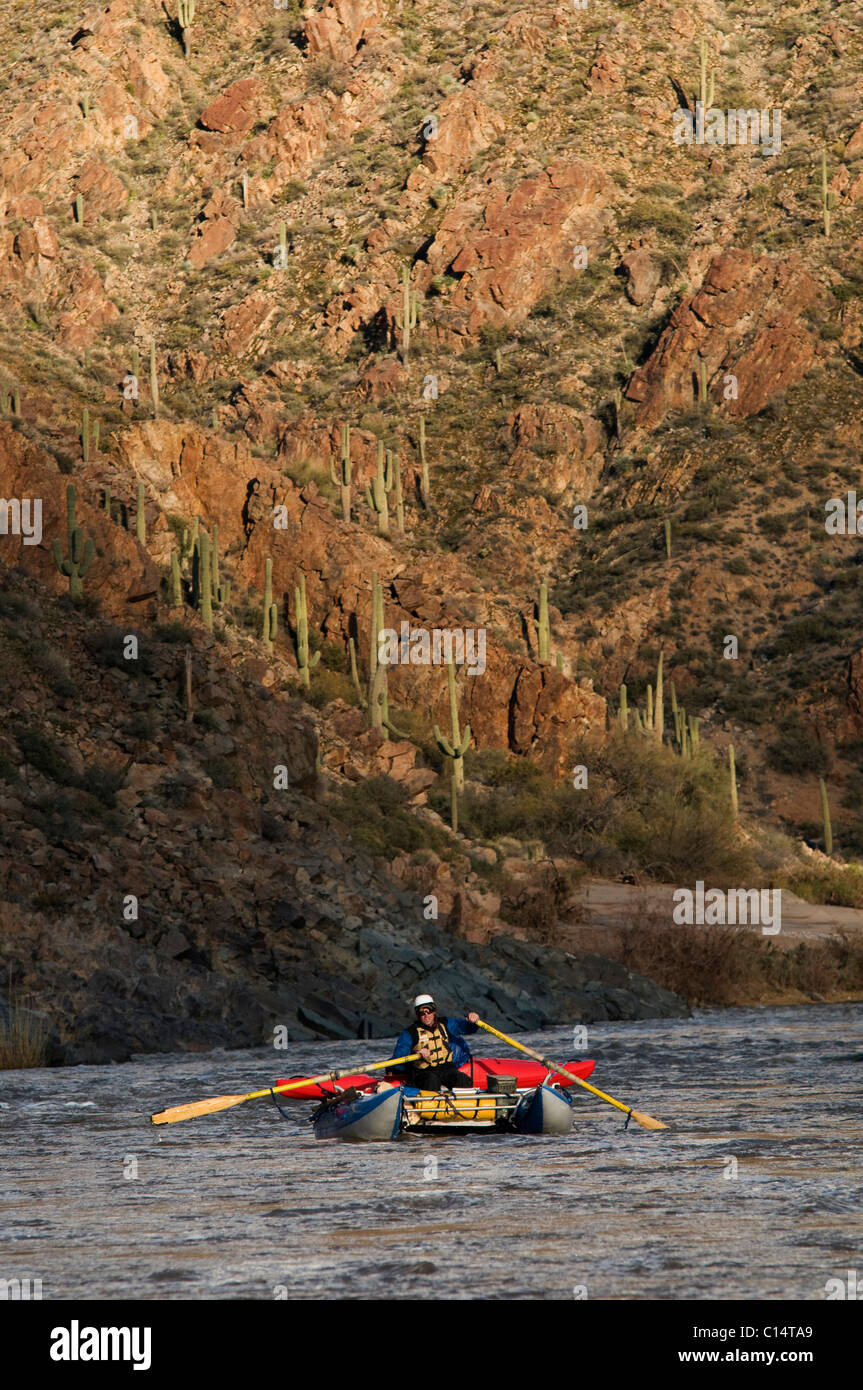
[(437, 1041)]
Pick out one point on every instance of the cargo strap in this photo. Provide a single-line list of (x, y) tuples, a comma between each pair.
[(284, 1114)]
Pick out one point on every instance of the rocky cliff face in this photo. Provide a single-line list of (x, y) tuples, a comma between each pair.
[(467, 242)]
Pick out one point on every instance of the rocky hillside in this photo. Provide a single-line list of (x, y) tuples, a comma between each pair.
[(317, 320)]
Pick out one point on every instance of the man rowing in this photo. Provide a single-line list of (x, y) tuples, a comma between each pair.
[(440, 1044)]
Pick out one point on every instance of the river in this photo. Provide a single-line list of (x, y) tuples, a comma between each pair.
[(755, 1191)]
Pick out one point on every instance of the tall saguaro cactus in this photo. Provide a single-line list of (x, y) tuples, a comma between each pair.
[(456, 747), (425, 487), (825, 812), (381, 484), (80, 557), (202, 586), (343, 481), (732, 777), (305, 663), (707, 85), (185, 15), (141, 516), (270, 626), (407, 318), (659, 705), (400, 505), (154, 380)]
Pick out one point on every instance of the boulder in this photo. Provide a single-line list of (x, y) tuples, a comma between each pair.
[(745, 321)]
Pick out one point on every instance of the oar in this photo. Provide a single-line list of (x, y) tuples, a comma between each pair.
[(646, 1120), (207, 1107)]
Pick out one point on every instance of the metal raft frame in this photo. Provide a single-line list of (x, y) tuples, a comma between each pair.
[(468, 1110)]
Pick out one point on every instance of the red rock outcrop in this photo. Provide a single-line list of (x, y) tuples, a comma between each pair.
[(560, 446), (745, 322), (465, 127), (101, 189), (643, 276), (341, 27), (122, 573), (502, 274), (235, 110)]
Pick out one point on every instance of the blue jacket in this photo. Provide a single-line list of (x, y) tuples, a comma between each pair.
[(456, 1027)]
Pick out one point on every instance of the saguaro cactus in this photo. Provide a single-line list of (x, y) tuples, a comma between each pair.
[(140, 515), (304, 661), (541, 624), (407, 319), (270, 624), (176, 584), (454, 748), (707, 84), (80, 557), (85, 435), (425, 488), (154, 380), (185, 15), (659, 705), (343, 480), (623, 711), (395, 467), (376, 495), (825, 812), (188, 543), (79, 208), (202, 589), (219, 588), (732, 779), (668, 538)]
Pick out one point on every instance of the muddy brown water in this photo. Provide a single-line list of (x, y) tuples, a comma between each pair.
[(756, 1190)]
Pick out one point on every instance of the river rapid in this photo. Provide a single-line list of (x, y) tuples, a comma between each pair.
[(755, 1191)]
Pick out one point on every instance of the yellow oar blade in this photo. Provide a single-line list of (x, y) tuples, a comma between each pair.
[(647, 1121), (213, 1103), (197, 1107)]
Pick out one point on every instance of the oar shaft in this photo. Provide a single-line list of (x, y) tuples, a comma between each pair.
[(330, 1076), (552, 1066)]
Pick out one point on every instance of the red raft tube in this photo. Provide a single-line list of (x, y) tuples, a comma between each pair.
[(527, 1073)]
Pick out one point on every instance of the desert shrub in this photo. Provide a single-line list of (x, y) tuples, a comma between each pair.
[(23, 1038), (43, 754), (174, 631), (376, 814), (106, 646), (796, 751), (644, 807), (222, 772), (54, 667), (840, 885)]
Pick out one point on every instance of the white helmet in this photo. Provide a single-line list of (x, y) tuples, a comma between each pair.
[(423, 999)]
